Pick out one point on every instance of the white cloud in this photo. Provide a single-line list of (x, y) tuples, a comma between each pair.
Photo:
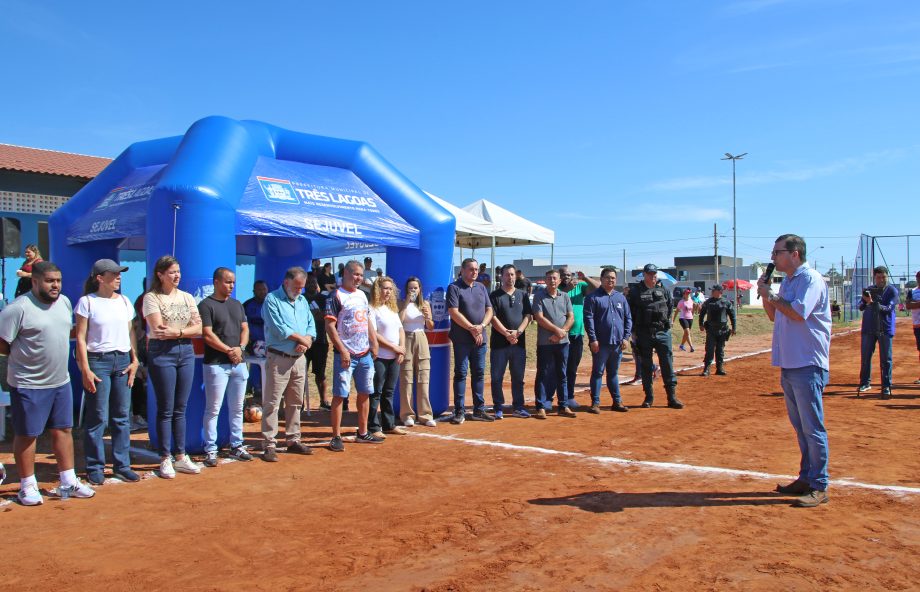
[(673, 213), (850, 164)]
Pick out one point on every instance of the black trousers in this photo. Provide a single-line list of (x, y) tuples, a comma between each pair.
[(386, 373), (659, 342), (715, 346)]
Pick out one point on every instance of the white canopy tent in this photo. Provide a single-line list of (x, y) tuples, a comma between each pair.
[(517, 230), (472, 231), (483, 224)]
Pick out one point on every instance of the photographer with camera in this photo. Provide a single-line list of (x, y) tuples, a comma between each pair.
[(879, 305)]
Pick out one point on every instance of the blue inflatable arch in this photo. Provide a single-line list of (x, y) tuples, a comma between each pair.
[(232, 187)]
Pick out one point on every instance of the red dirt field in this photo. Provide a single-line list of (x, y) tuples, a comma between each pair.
[(420, 513)]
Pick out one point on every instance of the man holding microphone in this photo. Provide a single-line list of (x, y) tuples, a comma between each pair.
[(801, 314)]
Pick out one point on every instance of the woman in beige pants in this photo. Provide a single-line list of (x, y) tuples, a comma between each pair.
[(415, 315)]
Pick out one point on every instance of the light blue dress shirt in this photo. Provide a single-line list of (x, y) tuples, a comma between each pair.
[(284, 318), (797, 344)]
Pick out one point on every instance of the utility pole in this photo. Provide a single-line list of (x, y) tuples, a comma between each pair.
[(843, 288), (715, 250), (734, 223), (625, 273)]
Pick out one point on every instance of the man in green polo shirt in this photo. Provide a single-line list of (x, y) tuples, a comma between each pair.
[(577, 289)]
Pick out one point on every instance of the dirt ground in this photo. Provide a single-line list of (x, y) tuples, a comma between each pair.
[(462, 512)]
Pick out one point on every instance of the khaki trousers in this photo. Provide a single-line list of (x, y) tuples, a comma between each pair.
[(417, 362), (284, 377)]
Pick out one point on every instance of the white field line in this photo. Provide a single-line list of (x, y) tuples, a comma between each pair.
[(666, 466)]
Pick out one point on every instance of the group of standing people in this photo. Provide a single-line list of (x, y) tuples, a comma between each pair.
[(566, 311), (375, 341)]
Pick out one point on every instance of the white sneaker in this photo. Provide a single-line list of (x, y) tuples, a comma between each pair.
[(187, 465), (166, 469), (410, 421), (30, 495), (430, 423), (79, 490)]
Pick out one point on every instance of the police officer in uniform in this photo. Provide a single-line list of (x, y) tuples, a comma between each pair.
[(652, 308), (715, 314)]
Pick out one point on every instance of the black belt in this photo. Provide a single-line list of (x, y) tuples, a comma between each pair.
[(281, 353)]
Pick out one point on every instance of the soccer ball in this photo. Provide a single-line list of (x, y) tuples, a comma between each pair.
[(258, 349), (252, 414)]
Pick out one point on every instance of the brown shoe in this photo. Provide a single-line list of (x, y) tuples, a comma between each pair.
[(812, 499), (540, 413), (619, 407), (797, 487), (594, 409), (270, 455), (566, 412), (399, 430), (299, 448), (379, 434)]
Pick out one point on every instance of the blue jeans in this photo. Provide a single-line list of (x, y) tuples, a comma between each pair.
[(223, 380), (500, 358), (472, 357), (884, 357), (109, 404), (361, 369), (607, 359), (552, 361), (803, 388), (171, 365), (576, 349)]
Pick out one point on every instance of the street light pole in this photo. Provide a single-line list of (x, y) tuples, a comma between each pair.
[(734, 224)]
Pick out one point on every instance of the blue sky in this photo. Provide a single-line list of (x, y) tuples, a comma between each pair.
[(605, 121)]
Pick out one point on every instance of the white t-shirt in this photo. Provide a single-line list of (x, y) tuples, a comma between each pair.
[(386, 323), (350, 311), (415, 320), (107, 322)]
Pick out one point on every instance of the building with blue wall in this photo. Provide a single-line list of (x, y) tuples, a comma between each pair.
[(33, 183)]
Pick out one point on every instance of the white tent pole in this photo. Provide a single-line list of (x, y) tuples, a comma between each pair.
[(492, 267), (552, 248)]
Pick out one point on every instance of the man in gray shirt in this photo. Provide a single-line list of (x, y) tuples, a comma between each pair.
[(552, 311), (35, 334)]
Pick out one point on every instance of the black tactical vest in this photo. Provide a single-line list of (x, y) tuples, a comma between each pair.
[(716, 313), (653, 309)]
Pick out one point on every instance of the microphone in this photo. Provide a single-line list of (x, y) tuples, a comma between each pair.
[(767, 275)]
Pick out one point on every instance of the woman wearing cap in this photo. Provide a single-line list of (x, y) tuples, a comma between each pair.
[(172, 320), (685, 309), (107, 357)]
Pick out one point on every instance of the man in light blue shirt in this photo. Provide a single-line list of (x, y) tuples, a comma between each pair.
[(289, 332), (801, 348)]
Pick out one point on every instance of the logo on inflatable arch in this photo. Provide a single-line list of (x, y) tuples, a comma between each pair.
[(438, 305), (203, 291), (278, 190)]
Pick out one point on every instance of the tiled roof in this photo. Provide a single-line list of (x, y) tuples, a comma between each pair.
[(50, 162)]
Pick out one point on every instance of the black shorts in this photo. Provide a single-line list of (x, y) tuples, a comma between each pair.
[(917, 337), (317, 356), (686, 323)]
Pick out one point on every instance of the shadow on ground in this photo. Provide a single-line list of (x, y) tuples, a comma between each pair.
[(612, 501)]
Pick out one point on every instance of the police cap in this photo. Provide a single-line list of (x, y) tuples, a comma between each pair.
[(650, 268), (716, 287)]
